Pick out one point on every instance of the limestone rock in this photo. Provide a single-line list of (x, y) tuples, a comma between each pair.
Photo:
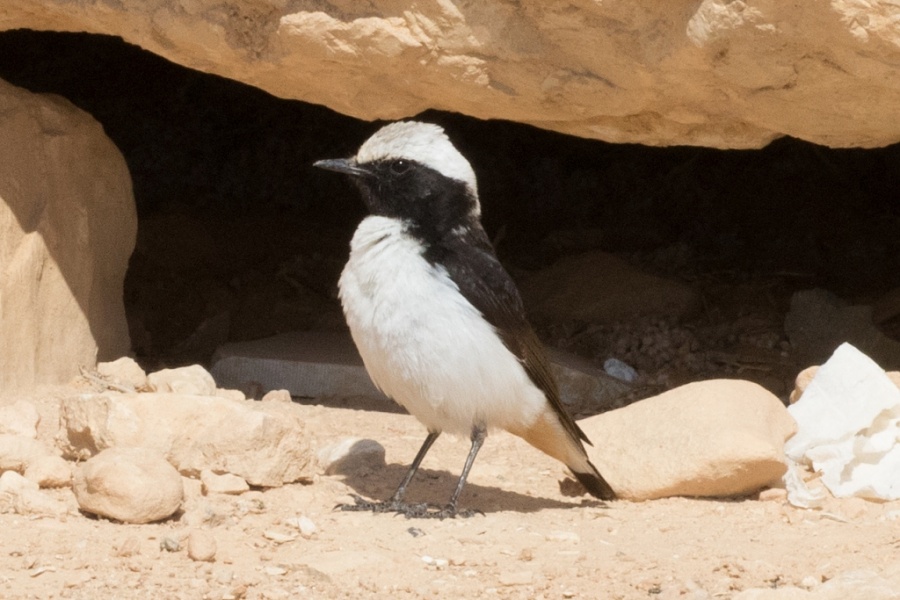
[(847, 427), (350, 455), (132, 485), (709, 438), (124, 371), (803, 379), (183, 380), (65, 240), (712, 72), (305, 363), (50, 472), (201, 546), (20, 495), (18, 451), (225, 483), (21, 418), (265, 443), (277, 396), (568, 290)]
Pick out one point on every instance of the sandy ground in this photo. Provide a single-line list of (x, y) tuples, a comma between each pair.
[(532, 541)]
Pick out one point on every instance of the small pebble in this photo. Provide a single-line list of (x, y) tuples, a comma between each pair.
[(773, 495), (275, 571), (201, 546), (129, 547), (278, 537), (169, 544), (809, 582), (563, 536)]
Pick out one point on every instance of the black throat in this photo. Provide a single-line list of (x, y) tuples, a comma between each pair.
[(435, 208)]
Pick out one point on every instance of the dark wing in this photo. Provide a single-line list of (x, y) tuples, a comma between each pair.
[(472, 265)]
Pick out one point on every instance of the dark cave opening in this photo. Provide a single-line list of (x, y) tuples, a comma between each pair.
[(240, 238)]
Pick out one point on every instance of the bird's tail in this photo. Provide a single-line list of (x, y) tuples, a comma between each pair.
[(594, 482), (548, 435)]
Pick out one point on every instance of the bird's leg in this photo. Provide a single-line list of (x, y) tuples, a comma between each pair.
[(479, 433), (424, 511), (395, 503)]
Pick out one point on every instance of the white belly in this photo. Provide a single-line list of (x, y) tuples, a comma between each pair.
[(423, 343)]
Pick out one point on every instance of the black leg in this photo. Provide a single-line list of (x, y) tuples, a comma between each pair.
[(478, 435), (426, 446), (395, 504)]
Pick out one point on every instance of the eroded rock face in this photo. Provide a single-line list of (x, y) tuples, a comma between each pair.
[(720, 73), (67, 228)]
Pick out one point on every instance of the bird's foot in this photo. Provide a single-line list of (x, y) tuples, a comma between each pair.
[(410, 511)]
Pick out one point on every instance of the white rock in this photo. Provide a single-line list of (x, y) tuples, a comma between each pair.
[(21, 418), (13, 483), (236, 395), (22, 496), (67, 225), (132, 485), (225, 483), (848, 425), (124, 371), (193, 379), (50, 472), (18, 451), (264, 443), (619, 369), (349, 455), (304, 524), (710, 438), (277, 396)]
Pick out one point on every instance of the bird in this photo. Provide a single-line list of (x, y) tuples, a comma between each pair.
[(439, 323)]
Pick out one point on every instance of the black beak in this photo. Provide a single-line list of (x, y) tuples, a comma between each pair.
[(346, 166)]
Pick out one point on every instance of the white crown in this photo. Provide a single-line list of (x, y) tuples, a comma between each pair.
[(424, 143)]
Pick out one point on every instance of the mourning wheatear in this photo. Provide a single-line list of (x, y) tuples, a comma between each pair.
[(439, 323)]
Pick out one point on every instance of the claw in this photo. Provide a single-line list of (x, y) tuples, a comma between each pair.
[(410, 511)]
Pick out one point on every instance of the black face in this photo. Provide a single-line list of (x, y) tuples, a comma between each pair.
[(430, 202)]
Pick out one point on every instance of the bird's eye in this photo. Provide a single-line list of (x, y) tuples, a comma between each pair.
[(400, 166)]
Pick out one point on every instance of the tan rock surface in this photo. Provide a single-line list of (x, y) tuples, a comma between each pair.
[(67, 228), (132, 485), (714, 73), (710, 438), (265, 443)]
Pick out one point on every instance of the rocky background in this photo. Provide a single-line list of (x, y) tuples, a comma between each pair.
[(239, 238)]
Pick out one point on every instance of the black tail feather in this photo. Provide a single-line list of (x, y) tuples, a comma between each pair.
[(595, 483)]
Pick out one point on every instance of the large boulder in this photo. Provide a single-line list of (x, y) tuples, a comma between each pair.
[(132, 485), (720, 73), (67, 229), (710, 438)]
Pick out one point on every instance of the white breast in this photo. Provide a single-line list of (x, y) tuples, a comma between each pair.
[(423, 343)]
